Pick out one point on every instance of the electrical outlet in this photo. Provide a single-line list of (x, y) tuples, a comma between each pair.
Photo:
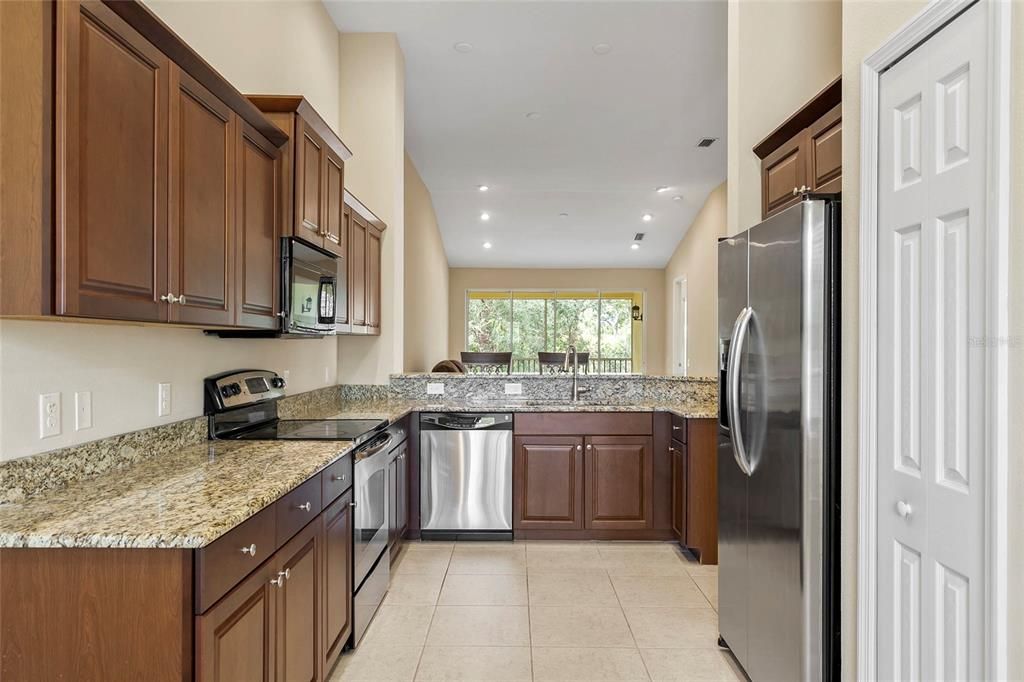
[(49, 415), (163, 400), (327, 373), (435, 388), (83, 410), (513, 389)]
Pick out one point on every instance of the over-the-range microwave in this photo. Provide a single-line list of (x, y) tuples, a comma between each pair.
[(313, 295)]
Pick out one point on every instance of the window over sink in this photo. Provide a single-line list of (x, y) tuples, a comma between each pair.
[(526, 322)]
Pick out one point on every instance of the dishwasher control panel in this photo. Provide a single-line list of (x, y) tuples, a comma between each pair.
[(465, 420)]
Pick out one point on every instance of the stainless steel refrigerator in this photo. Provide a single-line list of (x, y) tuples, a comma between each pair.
[(778, 452)]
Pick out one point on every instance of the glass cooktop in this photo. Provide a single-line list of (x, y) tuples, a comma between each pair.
[(357, 430)]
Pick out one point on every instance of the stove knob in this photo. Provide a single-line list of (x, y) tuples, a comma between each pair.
[(236, 389), (226, 391), (277, 382)]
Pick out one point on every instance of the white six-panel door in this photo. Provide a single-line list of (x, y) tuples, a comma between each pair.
[(931, 353)]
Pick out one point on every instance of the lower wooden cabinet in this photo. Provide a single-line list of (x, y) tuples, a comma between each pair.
[(291, 618), (619, 474), (677, 453), (548, 483), (701, 515)]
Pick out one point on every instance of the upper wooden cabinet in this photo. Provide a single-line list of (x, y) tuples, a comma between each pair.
[(365, 236), (314, 160), (157, 167), (804, 154)]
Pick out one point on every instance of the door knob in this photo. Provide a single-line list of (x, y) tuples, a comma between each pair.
[(904, 509)]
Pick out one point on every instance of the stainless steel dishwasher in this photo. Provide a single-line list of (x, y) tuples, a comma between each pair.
[(465, 476)]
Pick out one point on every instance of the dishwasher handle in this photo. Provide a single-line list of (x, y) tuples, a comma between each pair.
[(465, 421)]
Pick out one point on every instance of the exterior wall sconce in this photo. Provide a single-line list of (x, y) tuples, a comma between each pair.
[(638, 315)]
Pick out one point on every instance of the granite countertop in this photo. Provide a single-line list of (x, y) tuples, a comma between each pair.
[(193, 495), (183, 500)]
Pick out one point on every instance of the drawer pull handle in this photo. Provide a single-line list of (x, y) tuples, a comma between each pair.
[(250, 550), (352, 504), (305, 507)]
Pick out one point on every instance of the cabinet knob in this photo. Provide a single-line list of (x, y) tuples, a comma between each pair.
[(181, 300), (338, 478), (579, 448), (589, 446), (305, 507), (352, 504), (677, 428), (250, 550), (169, 298), (671, 449), (795, 191)]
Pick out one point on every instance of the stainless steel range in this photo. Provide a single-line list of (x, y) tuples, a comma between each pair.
[(242, 405)]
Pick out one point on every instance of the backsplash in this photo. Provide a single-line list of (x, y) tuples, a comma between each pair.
[(604, 388), (25, 476)]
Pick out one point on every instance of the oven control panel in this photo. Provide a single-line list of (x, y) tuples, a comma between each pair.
[(239, 388)]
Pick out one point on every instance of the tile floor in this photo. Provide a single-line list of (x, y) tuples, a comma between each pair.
[(544, 611)]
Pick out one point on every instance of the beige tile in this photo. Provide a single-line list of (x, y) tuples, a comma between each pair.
[(488, 561), (382, 663), (696, 568), (640, 548), (405, 624), (579, 626), (708, 584), (674, 590), (689, 665), (560, 558), (480, 626), (643, 564), (571, 589), (587, 664), (416, 545), (423, 562), (475, 663), (483, 590), (413, 589), (681, 628)]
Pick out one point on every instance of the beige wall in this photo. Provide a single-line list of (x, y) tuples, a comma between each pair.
[(650, 281), (121, 365), (372, 77), (866, 25), (426, 278), (781, 53), (696, 259)]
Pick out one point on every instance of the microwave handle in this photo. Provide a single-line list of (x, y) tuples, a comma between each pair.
[(330, 314)]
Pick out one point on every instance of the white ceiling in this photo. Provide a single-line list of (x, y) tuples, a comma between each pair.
[(611, 127)]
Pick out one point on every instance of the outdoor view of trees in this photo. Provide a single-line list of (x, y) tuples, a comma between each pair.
[(526, 322)]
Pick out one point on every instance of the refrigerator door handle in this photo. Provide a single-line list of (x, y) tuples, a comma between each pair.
[(739, 336)]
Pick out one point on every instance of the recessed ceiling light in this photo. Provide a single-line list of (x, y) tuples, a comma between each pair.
[(533, 115), (487, 245), (482, 188), (634, 246), (647, 217), (661, 189), (677, 198), (602, 48), (485, 216), (463, 47)]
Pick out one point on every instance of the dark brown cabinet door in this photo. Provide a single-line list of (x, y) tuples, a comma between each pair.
[(310, 185), (334, 187), (548, 483), (235, 639), (702, 489), (357, 238), (824, 152), (677, 452), (620, 480), (258, 248), (201, 227), (337, 578), (403, 492), (111, 175), (783, 173), (373, 262), (299, 568)]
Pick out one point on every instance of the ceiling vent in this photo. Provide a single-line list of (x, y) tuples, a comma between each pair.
[(638, 237), (706, 142)]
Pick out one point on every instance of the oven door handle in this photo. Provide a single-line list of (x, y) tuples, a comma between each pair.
[(374, 449)]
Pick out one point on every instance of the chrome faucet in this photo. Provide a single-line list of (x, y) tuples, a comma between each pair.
[(576, 390)]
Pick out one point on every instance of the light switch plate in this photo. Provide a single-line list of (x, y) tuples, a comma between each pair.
[(163, 400), (435, 388), (49, 415), (83, 410), (513, 389)]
